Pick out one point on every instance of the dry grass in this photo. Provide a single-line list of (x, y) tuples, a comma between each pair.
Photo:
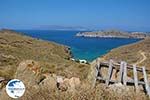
[(53, 58), (100, 92), (131, 53)]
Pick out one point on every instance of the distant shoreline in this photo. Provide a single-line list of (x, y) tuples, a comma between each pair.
[(113, 34), (78, 55)]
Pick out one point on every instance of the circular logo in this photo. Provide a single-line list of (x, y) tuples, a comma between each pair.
[(15, 88)]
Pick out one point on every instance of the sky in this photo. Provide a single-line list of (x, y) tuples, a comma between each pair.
[(132, 15)]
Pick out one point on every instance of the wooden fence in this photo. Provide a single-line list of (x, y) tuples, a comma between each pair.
[(123, 68)]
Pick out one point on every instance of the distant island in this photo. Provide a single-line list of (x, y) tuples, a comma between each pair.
[(113, 34), (59, 27), (46, 68)]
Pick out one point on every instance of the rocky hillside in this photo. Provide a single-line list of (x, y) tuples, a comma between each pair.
[(136, 53), (53, 58), (113, 34), (48, 74), (46, 87)]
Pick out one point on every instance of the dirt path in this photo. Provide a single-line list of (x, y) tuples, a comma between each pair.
[(143, 59)]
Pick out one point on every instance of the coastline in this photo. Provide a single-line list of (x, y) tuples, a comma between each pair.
[(134, 53), (70, 52), (79, 47), (41, 61), (113, 34), (52, 56)]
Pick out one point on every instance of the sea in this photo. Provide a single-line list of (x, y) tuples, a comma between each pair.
[(81, 47)]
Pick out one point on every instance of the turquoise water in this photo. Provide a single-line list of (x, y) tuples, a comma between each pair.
[(82, 48)]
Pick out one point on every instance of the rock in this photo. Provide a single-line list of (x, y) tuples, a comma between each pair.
[(63, 86), (28, 72), (2, 79), (74, 82), (69, 84), (49, 82), (119, 88), (59, 79), (1, 85)]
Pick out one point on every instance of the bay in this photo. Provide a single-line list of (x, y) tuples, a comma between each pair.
[(81, 47)]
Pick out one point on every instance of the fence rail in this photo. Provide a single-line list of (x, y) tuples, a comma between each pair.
[(122, 78)]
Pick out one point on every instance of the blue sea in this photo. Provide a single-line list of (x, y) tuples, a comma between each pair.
[(81, 47)]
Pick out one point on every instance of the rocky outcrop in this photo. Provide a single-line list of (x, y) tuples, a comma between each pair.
[(28, 71)]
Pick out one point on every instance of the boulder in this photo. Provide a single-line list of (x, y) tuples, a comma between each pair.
[(49, 82), (119, 88), (74, 82), (69, 84), (28, 72)]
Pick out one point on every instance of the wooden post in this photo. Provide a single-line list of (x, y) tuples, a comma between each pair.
[(135, 78), (125, 74), (121, 72), (96, 72), (98, 66), (109, 72), (146, 81)]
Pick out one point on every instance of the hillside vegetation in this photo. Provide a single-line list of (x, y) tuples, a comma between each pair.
[(136, 53), (53, 58), (38, 64)]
